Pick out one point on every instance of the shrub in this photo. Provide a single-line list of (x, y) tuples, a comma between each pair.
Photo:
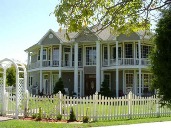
[(39, 117), (59, 117), (59, 86), (34, 116), (104, 90), (72, 115), (85, 119)]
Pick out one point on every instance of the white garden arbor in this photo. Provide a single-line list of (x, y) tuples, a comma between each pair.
[(21, 84)]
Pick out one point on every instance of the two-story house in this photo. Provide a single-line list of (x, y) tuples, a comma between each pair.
[(84, 61)]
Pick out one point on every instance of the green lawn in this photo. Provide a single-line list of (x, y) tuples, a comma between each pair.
[(34, 124)]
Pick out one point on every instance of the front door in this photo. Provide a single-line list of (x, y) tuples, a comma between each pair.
[(129, 82), (90, 84)]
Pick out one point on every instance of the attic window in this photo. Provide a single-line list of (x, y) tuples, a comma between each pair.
[(50, 36)]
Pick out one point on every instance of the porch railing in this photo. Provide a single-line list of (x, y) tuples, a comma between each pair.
[(127, 61)]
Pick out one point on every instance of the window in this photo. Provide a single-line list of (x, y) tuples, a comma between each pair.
[(129, 80), (145, 51), (114, 52), (55, 54), (79, 54), (90, 55), (105, 56), (44, 54), (145, 82), (128, 51), (107, 77), (38, 56), (30, 81), (49, 53), (66, 49)]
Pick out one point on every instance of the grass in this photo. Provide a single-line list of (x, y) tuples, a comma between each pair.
[(34, 124)]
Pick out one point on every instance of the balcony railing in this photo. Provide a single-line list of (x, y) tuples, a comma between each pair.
[(126, 61), (53, 63)]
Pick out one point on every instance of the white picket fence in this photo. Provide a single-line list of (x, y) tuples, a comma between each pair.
[(96, 107)]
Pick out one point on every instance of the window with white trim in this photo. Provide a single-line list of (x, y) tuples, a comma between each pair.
[(38, 55), (56, 54), (105, 56), (114, 52), (44, 54), (128, 51), (145, 51), (91, 55), (129, 80)]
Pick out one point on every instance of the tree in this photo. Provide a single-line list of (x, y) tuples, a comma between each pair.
[(59, 86), (104, 90), (161, 58), (121, 15), (11, 76)]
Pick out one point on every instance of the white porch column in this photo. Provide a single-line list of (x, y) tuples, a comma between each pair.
[(60, 55), (135, 82), (28, 61), (139, 51), (134, 45), (123, 75), (50, 83), (117, 82), (102, 76), (51, 55), (116, 52), (108, 54), (41, 64), (123, 53), (71, 56), (76, 68), (81, 82), (41, 79), (41, 56), (98, 82), (60, 73), (60, 60), (139, 81)]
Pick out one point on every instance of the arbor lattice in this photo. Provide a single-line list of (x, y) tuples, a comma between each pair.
[(21, 84)]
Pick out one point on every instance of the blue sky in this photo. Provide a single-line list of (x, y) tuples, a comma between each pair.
[(22, 24)]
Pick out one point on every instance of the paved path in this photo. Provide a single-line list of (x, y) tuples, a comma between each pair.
[(166, 124), (4, 118)]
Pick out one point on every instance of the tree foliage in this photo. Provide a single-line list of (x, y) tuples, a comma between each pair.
[(120, 15), (161, 57), (59, 86), (11, 76)]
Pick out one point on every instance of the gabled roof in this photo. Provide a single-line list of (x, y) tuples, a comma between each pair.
[(42, 39)]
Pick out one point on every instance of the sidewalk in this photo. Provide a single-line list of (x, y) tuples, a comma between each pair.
[(166, 124), (4, 118)]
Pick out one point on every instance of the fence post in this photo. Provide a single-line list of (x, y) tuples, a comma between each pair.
[(95, 105), (130, 105), (157, 106), (60, 102)]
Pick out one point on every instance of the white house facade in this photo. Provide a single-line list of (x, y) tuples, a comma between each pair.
[(84, 61)]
